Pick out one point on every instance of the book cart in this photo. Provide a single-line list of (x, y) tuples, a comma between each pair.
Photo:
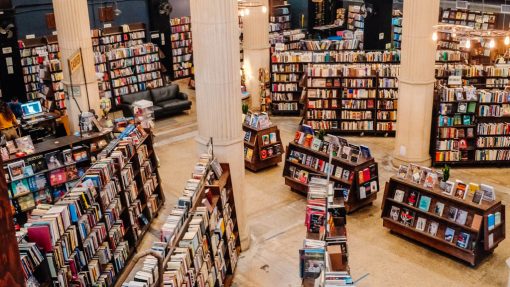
[(359, 180), (214, 197), (265, 145), (437, 222)]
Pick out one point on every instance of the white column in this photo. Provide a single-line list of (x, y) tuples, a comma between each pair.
[(256, 49), (416, 84), (218, 88), (73, 28)]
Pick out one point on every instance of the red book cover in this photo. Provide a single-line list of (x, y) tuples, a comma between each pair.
[(58, 177), (366, 174), (41, 235)]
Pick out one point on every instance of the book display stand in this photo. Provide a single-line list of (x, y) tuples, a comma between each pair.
[(93, 230), (200, 237), (354, 174), (456, 222), (262, 143)]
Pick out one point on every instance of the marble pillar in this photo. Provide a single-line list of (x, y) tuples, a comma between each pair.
[(73, 28), (416, 82), (256, 49), (218, 90)]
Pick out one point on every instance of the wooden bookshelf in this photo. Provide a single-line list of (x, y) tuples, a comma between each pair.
[(260, 141), (475, 248), (472, 137), (346, 175), (347, 99), (182, 48)]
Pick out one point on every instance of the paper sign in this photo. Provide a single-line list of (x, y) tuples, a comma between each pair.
[(31, 36), (455, 80), (75, 62), (107, 25), (7, 50)]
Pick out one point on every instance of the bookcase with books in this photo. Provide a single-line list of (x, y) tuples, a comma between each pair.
[(279, 19), (134, 69), (356, 22), (182, 48), (324, 256), (396, 29), (93, 230), (200, 243), (459, 219), (471, 127), (352, 98), (351, 168), (262, 142), (48, 171), (32, 51), (56, 72)]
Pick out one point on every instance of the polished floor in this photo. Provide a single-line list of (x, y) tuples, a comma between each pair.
[(275, 216)]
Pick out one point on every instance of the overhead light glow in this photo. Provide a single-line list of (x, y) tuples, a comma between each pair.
[(492, 44), (468, 44), (434, 36), (264, 9), (507, 40)]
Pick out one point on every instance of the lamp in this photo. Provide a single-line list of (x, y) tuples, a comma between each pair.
[(117, 11)]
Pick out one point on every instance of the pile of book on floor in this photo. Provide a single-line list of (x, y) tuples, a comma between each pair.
[(323, 258)]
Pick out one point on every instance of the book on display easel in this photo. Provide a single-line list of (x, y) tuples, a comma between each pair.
[(463, 220)]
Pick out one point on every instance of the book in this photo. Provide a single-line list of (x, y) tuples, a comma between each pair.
[(16, 169), (20, 187), (433, 227), (316, 144), (265, 140), (421, 223), (412, 198), (425, 171), (472, 188), (25, 144), (463, 240), (449, 234), (488, 192), (424, 203), (497, 218), (395, 213), (399, 195), (247, 136), (448, 188), (491, 221), (407, 217), (402, 171), (462, 216), (28, 171), (414, 173), (365, 152), (430, 180), (37, 162), (355, 153), (272, 138), (439, 208), (477, 197), (54, 160), (460, 190), (452, 213)]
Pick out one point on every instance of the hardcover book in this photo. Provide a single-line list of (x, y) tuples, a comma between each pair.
[(37, 162), (461, 217), (452, 213), (412, 198), (433, 227), (424, 203), (421, 223), (449, 234), (439, 208), (395, 213), (463, 240), (407, 217), (460, 190), (399, 195), (54, 160)]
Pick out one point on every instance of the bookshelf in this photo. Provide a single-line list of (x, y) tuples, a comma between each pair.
[(134, 69), (356, 22), (471, 127), (454, 226), (32, 50), (357, 178), (477, 19), (346, 99), (279, 18), (42, 182), (396, 29), (56, 72), (182, 48), (263, 147), (103, 219), (206, 210)]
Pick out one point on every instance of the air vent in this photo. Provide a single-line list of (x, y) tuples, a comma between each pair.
[(505, 9), (461, 4)]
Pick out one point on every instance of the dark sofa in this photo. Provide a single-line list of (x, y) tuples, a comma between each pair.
[(167, 101)]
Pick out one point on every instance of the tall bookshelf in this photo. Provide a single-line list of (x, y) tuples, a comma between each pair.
[(345, 99), (358, 179), (396, 29), (182, 48), (105, 217), (356, 22), (31, 51), (56, 71), (457, 227), (134, 69), (279, 18), (471, 127)]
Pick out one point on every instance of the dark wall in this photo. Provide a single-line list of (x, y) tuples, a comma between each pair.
[(378, 22), (180, 8), (298, 8), (30, 14)]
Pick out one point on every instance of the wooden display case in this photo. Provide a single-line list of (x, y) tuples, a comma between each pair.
[(361, 191), (481, 239), (260, 142)]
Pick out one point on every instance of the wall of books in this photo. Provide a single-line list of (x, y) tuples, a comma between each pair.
[(87, 236), (182, 48)]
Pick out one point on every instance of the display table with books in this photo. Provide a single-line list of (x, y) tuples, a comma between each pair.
[(87, 236), (200, 242), (352, 168), (462, 220), (262, 143)]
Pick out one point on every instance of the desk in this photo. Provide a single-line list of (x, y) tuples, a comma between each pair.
[(40, 127)]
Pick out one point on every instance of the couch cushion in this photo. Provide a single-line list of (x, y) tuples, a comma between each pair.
[(175, 104), (131, 98), (165, 93)]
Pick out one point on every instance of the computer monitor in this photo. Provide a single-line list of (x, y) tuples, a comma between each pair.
[(31, 109)]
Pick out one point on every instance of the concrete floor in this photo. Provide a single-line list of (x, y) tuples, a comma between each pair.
[(276, 215)]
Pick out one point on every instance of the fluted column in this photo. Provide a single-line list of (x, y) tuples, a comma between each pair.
[(73, 28), (218, 88), (416, 82), (256, 49)]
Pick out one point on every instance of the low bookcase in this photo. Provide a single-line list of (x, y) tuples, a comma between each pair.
[(262, 147), (437, 221), (360, 180)]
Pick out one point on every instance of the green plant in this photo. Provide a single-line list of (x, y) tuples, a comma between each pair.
[(446, 172), (321, 134), (245, 108)]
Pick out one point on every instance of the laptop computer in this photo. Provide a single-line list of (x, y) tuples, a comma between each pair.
[(32, 109)]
